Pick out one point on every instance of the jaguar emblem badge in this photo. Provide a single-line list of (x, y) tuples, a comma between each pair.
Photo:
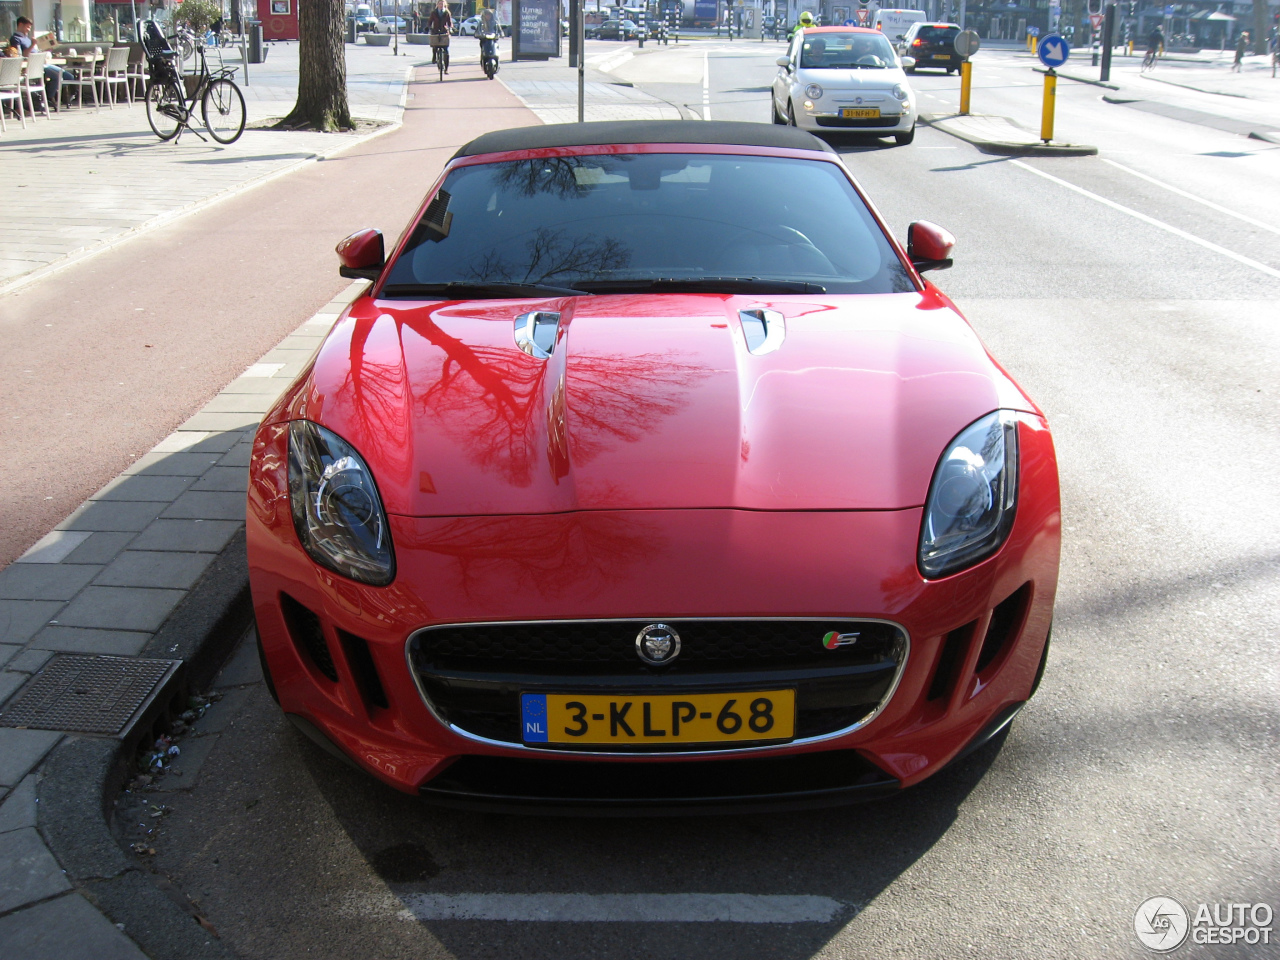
[(658, 644)]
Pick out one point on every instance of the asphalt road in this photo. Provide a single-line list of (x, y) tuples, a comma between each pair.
[(1135, 296)]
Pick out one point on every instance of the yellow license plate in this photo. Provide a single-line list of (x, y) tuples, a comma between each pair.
[(942, 56), (662, 718), (860, 113)]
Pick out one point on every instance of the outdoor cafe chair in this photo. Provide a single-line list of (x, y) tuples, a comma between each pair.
[(11, 89), (88, 78), (114, 71), (136, 71), (33, 84)]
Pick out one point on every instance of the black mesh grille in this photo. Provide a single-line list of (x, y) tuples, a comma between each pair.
[(872, 122), (585, 645), (473, 674)]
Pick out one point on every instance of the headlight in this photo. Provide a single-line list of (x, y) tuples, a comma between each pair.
[(813, 92), (972, 497), (336, 509), (900, 91)]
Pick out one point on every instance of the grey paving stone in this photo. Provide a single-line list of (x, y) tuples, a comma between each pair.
[(282, 355), (44, 581), (207, 506), (260, 386), (194, 752), (155, 568), (118, 643), (68, 928), (222, 422), (28, 871), (237, 456), (192, 440), (187, 535), (225, 480), (21, 750), (29, 661), (112, 515), (8, 651), (254, 403), (139, 488), (19, 808), (121, 608), (172, 464), (100, 548), (10, 682), (54, 546), (21, 619)]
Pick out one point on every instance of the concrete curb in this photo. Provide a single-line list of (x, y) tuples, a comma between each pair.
[(83, 775), (1068, 76), (1008, 148)]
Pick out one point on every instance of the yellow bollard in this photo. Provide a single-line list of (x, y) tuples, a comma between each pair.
[(1035, 44), (1050, 97), (966, 78)]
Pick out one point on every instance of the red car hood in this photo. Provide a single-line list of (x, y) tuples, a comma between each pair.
[(653, 402)]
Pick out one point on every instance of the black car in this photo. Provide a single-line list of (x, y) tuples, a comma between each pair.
[(618, 30), (932, 45)]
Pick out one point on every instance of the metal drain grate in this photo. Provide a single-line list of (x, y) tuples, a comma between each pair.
[(78, 694)]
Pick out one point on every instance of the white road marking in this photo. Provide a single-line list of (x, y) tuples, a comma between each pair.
[(1192, 196), (706, 86), (622, 907), (1169, 228)]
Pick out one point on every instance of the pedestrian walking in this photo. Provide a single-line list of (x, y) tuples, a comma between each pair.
[(1241, 44)]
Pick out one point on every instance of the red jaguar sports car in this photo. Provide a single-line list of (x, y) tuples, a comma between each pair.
[(650, 476)]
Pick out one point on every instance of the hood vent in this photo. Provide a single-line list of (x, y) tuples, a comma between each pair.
[(764, 329), (536, 333)]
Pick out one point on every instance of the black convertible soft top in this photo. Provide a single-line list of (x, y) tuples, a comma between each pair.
[(606, 132)]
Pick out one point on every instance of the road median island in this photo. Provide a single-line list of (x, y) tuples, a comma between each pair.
[(151, 569), (1002, 137)]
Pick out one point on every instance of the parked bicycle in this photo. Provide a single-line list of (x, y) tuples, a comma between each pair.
[(170, 111)]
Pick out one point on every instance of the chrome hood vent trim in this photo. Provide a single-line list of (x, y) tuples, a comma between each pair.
[(536, 332), (764, 329)]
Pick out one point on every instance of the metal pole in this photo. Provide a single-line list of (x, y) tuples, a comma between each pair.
[(395, 32), (964, 8), (582, 60), (1108, 40)]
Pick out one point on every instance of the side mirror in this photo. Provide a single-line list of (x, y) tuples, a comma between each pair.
[(784, 62), (908, 62), (929, 246), (362, 255)]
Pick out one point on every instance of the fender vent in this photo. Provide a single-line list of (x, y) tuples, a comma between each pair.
[(363, 669), (954, 647), (1006, 623), (308, 636)]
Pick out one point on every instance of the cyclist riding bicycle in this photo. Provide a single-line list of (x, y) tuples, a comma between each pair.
[(441, 23), (1155, 43)]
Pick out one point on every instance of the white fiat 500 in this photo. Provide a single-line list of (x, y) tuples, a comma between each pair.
[(845, 79)]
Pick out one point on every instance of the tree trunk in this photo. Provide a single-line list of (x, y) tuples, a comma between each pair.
[(1261, 28), (322, 69)]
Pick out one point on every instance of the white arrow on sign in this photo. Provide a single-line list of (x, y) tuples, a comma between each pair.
[(1054, 51)]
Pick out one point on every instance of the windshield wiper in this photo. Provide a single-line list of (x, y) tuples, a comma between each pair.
[(702, 285), (460, 290)]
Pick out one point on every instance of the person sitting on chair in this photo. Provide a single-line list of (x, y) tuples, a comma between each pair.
[(53, 75)]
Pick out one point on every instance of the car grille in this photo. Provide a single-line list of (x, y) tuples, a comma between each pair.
[(842, 122), (472, 675)]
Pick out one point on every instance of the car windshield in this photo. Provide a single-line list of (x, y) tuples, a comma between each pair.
[(846, 51), (646, 222)]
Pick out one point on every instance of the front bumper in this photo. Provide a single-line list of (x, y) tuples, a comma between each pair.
[(828, 118), (338, 651)]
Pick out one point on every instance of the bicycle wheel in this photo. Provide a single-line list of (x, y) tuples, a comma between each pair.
[(440, 61), (223, 109), (165, 110)]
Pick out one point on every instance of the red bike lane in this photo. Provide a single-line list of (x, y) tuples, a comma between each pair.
[(105, 358)]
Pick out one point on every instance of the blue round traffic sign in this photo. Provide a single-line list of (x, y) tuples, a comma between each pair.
[(1053, 51)]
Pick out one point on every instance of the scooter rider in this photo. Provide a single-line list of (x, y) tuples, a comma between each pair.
[(441, 22), (488, 33)]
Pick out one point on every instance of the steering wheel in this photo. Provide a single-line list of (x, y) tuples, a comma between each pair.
[(822, 263), (870, 60)]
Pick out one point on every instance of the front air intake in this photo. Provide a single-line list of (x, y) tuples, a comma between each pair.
[(308, 636)]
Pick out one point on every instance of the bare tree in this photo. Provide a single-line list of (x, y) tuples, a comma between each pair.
[(322, 69)]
